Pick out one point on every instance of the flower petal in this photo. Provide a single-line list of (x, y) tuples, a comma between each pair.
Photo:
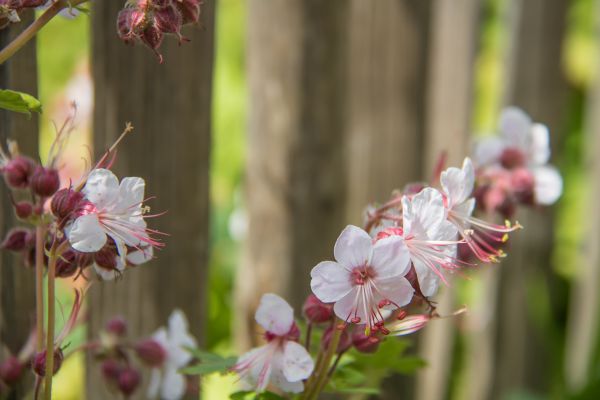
[(390, 257), (349, 305), (140, 256), (353, 247), (428, 279), (515, 126), (396, 289), (275, 314), (548, 185), (179, 338), (458, 183), (540, 144), (173, 385), (131, 195), (86, 234), (423, 214), (488, 150), (155, 383), (101, 187), (330, 281), (297, 363)]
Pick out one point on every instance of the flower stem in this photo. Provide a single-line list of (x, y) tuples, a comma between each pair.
[(34, 28), (39, 286)]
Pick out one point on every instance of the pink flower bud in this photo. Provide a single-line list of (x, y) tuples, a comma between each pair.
[(11, 370), (189, 9), (128, 381), (364, 343), (153, 37), (18, 171), (39, 362), (345, 340), (117, 326), (44, 181), (18, 239), (316, 311), (512, 158), (111, 369), (168, 20), (151, 352), (410, 324), (23, 209), (130, 23), (65, 202), (66, 265)]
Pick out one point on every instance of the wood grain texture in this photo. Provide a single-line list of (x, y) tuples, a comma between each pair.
[(170, 107)]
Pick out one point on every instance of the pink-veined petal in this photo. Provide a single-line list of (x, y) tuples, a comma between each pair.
[(423, 214), (101, 187), (428, 279), (297, 363), (86, 234), (353, 247), (390, 257), (140, 256), (349, 306), (548, 185), (397, 289), (131, 194), (515, 126), (274, 314), (330, 281)]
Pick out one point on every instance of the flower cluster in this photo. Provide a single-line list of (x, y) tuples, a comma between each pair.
[(513, 169), (10, 10), (148, 21)]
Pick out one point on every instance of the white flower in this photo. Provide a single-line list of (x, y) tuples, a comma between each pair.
[(112, 210), (429, 237), (365, 278), (482, 237), (166, 383), (281, 362), (522, 143)]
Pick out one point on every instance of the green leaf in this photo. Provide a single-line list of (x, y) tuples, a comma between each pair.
[(208, 363), (19, 102), (250, 395), (408, 364)]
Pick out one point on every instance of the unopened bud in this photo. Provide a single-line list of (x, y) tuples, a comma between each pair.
[(168, 20), (512, 158), (364, 343), (111, 369), (64, 202), (39, 362), (152, 37), (106, 257), (130, 22), (129, 380), (316, 311), (117, 326), (345, 340), (17, 172), (189, 9), (44, 181), (18, 239), (66, 265), (11, 370), (23, 209), (151, 352)]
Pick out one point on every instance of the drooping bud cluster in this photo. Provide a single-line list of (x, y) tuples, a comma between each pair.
[(148, 21), (10, 10)]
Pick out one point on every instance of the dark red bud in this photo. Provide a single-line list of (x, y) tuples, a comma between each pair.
[(33, 3), (11, 370), (18, 239), (152, 37), (65, 202), (44, 181), (364, 343), (168, 20), (117, 326), (130, 23), (39, 362), (316, 311), (106, 257), (18, 171), (344, 343), (23, 209), (294, 333), (151, 352), (189, 9), (111, 369), (84, 260), (129, 380), (66, 265), (512, 158)]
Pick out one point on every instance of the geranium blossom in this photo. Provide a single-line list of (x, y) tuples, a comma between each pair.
[(522, 144), (282, 362), (482, 237), (364, 278), (166, 383), (111, 209)]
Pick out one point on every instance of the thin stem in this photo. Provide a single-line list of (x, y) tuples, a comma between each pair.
[(39, 286), (308, 333), (34, 28)]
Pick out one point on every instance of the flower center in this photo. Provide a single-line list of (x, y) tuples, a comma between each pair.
[(361, 275)]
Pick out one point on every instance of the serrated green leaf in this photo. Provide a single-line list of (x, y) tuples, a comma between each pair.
[(19, 102)]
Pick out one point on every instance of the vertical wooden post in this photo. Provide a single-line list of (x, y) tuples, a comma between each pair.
[(169, 105), (536, 84), (17, 282), (448, 126), (295, 169)]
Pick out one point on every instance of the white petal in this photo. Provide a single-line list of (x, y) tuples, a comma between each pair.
[(101, 187), (458, 183), (297, 363), (274, 314), (173, 385), (155, 383), (104, 273), (86, 234), (140, 256), (515, 126), (465, 209), (347, 306), (428, 279), (548, 185), (488, 150), (423, 214), (353, 247), (255, 366), (131, 194), (396, 289), (161, 337), (330, 281), (390, 257), (179, 338), (540, 144)]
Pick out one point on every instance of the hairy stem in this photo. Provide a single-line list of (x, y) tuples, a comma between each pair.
[(34, 28), (39, 286)]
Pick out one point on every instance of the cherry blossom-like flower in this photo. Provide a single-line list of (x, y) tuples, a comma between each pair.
[(110, 210), (365, 277), (522, 144), (482, 237), (282, 362), (166, 382)]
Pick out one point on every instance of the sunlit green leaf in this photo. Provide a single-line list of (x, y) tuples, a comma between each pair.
[(208, 363), (250, 395), (19, 102)]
